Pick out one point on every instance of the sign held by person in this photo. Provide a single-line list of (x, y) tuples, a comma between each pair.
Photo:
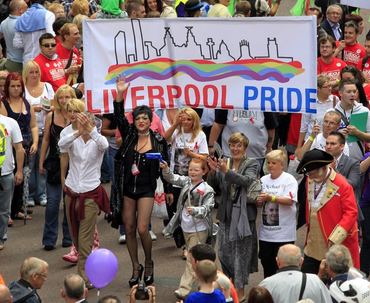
[(266, 64)]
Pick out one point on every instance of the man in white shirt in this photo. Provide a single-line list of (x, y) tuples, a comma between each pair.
[(29, 27), (13, 138), (348, 107), (331, 25), (286, 285), (317, 139), (85, 197)]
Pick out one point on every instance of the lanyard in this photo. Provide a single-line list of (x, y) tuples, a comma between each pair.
[(317, 192)]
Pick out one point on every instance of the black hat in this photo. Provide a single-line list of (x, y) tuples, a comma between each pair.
[(314, 159), (193, 5)]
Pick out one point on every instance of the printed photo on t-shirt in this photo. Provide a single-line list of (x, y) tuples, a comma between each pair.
[(181, 162), (270, 214)]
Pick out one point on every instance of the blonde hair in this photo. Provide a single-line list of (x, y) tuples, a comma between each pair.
[(27, 68), (278, 155), (63, 89), (53, 7), (197, 128), (206, 271), (66, 30), (78, 19), (76, 105), (239, 138), (80, 7), (32, 266), (321, 80)]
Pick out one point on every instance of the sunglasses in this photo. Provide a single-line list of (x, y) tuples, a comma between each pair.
[(48, 45)]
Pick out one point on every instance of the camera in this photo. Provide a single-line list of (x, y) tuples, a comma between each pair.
[(142, 292)]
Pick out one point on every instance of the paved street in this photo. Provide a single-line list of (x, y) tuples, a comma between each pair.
[(25, 240)]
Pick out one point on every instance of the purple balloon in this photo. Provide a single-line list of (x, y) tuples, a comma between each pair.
[(101, 267)]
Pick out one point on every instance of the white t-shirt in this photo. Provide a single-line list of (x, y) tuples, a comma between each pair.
[(278, 220), (13, 135), (180, 162), (320, 142), (47, 93), (189, 223)]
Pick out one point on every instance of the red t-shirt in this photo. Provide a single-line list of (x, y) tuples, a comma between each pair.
[(367, 91), (365, 68), (294, 127), (64, 54), (52, 71), (332, 70), (353, 54)]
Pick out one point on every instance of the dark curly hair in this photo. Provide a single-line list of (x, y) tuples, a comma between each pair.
[(142, 109)]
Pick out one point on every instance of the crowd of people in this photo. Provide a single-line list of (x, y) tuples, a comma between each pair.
[(289, 169)]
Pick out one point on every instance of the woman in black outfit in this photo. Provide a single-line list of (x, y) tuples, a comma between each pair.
[(136, 179), (18, 108)]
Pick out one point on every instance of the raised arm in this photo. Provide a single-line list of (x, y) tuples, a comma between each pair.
[(119, 108), (242, 179)]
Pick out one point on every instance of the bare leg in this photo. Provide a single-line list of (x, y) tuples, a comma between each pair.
[(144, 211), (240, 292), (129, 220)]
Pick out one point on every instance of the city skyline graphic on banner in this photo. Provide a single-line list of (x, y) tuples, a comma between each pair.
[(215, 61)]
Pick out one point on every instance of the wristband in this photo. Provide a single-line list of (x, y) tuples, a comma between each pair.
[(273, 198), (311, 138)]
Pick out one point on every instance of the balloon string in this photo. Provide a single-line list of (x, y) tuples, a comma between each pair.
[(98, 293)]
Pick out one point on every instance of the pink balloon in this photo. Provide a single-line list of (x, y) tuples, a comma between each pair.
[(101, 267)]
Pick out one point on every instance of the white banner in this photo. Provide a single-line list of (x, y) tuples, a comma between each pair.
[(357, 3), (266, 64)]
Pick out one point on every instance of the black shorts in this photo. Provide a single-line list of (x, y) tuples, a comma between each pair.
[(137, 196)]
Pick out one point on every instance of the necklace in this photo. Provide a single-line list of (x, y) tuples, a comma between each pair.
[(142, 135)]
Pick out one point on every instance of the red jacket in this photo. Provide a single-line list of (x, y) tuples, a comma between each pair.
[(337, 214)]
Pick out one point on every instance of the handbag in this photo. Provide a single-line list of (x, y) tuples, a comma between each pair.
[(52, 166), (212, 238), (159, 206), (116, 194)]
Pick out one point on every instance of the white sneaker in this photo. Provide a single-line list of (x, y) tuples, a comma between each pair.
[(122, 239), (43, 202), (30, 203), (152, 235)]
